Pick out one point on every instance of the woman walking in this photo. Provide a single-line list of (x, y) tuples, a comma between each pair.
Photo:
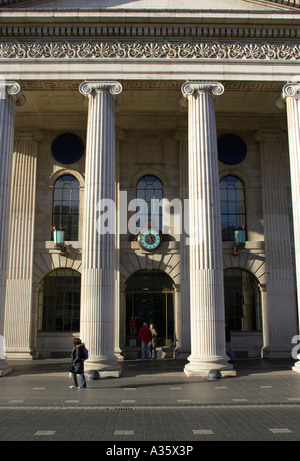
[(77, 364)]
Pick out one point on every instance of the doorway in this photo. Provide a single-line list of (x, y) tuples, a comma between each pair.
[(150, 298)]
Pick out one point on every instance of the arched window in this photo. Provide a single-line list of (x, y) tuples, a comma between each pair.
[(59, 301), (242, 300), (150, 188), (66, 205), (233, 206)]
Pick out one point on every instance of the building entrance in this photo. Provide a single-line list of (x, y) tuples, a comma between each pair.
[(150, 298)]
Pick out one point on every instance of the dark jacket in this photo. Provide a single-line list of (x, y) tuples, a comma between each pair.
[(77, 362), (227, 334), (145, 334)]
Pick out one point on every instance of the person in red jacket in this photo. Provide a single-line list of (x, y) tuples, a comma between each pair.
[(145, 337)]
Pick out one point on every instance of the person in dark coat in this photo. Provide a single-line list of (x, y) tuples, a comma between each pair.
[(77, 364)]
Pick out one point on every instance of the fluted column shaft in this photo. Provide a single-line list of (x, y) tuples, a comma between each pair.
[(291, 93), (206, 266), (7, 122), (183, 322), (98, 284), (18, 307), (281, 323)]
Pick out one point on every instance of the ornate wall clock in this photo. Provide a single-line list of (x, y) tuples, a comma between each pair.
[(149, 239)]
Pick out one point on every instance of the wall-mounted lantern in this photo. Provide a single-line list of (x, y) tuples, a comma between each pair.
[(239, 236), (239, 241), (59, 237)]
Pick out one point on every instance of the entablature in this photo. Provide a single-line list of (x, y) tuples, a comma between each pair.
[(109, 31)]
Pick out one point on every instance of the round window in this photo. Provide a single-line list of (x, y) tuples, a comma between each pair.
[(231, 149), (67, 148)]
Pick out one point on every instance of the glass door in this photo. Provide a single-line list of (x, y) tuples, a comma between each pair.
[(156, 308)]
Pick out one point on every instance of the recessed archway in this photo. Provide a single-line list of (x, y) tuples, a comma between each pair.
[(150, 298)]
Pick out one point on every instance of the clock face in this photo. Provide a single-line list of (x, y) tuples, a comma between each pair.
[(149, 240)]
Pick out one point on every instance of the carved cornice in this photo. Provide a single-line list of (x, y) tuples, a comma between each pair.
[(157, 50), (5, 3), (286, 3), (185, 30)]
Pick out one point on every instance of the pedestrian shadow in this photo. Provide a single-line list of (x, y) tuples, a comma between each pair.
[(250, 366), (42, 367)]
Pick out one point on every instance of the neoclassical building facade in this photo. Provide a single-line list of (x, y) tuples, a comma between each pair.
[(149, 173)]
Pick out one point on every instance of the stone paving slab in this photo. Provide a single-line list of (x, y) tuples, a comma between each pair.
[(151, 402)]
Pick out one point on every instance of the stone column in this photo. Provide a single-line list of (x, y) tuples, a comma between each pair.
[(280, 280), (183, 325), (18, 308), (9, 95), (205, 243), (119, 335), (291, 94), (98, 293), (264, 317)]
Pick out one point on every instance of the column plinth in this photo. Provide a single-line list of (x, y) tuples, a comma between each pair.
[(205, 244), (98, 282), (291, 94)]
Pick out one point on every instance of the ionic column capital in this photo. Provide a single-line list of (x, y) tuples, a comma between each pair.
[(214, 88), (14, 90), (101, 86), (291, 89)]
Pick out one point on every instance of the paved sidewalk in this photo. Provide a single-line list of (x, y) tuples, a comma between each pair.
[(152, 401)]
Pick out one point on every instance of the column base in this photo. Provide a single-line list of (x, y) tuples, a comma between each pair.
[(26, 354), (202, 367), (119, 354), (103, 369), (296, 366), (181, 354), (5, 368), (268, 353)]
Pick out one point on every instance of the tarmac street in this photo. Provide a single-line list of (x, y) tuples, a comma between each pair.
[(151, 402)]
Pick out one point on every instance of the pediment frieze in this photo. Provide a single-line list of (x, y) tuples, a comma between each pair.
[(204, 50)]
